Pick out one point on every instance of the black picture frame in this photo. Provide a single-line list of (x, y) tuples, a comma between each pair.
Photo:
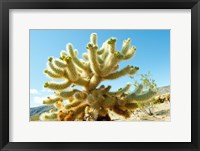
[(6, 5)]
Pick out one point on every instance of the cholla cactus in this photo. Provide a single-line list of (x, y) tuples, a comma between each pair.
[(94, 101)]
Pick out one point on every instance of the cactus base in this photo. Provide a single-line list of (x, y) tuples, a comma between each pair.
[(104, 118)]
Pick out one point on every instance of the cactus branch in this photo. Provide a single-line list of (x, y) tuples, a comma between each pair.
[(71, 69), (51, 100), (76, 61), (57, 86), (121, 90), (94, 82), (48, 116), (59, 63), (92, 50), (127, 70), (52, 74), (67, 94), (93, 39), (130, 54), (126, 46), (54, 68)]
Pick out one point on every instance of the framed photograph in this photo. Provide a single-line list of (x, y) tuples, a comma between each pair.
[(99, 75)]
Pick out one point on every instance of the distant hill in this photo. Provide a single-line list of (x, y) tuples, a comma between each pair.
[(163, 90), (36, 111)]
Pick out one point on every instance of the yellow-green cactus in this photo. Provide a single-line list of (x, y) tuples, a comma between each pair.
[(57, 86), (51, 100), (94, 101)]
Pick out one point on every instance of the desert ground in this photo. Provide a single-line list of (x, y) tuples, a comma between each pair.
[(161, 112)]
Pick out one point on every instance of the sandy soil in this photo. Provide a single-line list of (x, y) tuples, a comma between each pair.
[(161, 113)]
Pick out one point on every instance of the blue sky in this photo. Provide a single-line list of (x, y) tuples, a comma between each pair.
[(153, 54)]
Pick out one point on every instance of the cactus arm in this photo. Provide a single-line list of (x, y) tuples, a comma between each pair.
[(80, 108), (105, 55), (57, 86), (80, 96), (92, 50), (115, 68), (101, 51), (76, 61), (82, 81), (133, 70), (100, 61), (70, 50), (52, 74), (94, 82), (127, 70), (104, 50), (121, 90), (66, 75), (93, 38), (48, 116), (107, 88), (54, 68), (69, 106), (125, 46), (60, 63), (142, 98), (112, 43), (80, 64), (76, 52), (85, 63), (85, 56), (63, 53), (71, 69), (109, 54), (58, 105), (74, 112), (111, 62), (67, 94), (49, 100), (130, 53), (118, 74)]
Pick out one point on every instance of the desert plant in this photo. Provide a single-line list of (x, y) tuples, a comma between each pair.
[(147, 83), (163, 98), (94, 101)]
